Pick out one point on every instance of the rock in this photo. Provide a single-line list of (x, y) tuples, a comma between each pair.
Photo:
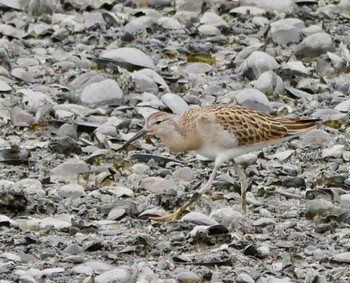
[(286, 31), (257, 63), (314, 45), (251, 98), (149, 79), (197, 68), (157, 185), (129, 58), (69, 171), (4, 87), (21, 118), (71, 191), (187, 277), (114, 275), (244, 10), (184, 174), (169, 23), (335, 151), (269, 83), (174, 102), (58, 222), (343, 106), (226, 216), (342, 257), (311, 29), (102, 93), (198, 219), (262, 222), (316, 137), (190, 6), (345, 201), (244, 278), (68, 130), (318, 207)]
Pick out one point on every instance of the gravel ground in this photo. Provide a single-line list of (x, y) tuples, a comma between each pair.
[(78, 78)]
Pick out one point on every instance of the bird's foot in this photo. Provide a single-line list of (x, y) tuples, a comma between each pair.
[(176, 215)]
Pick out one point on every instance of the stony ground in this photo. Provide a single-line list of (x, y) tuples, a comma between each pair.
[(78, 78)]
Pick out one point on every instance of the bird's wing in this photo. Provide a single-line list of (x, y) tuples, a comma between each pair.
[(249, 126)]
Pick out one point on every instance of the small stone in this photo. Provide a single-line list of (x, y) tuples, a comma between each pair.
[(262, 222), (157, 185), (169, 23), (319, 207), (244, 278), (102, 93), (197, 68), (68, 130), (342, 257), (253, 99), (71, 191), (116, 213), (284, 32), (226, 216), (129, 57), (335, 151), (113, 276), (345, 201), (184, 174), (174, 102), (314, 45), (257, 63), (187, 277), (294, 182), (69, 171), (74, 249), (343, 106), (199, 219), (269, 83), (190, 6)]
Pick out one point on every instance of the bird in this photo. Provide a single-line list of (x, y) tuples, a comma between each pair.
[(220, 132)]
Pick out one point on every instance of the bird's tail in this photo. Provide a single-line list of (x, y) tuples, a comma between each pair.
[(298, 125)]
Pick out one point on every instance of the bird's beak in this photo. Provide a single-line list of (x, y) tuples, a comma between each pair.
[(135, 137)]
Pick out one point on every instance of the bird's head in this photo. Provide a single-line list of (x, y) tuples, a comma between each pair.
[(159, 124)]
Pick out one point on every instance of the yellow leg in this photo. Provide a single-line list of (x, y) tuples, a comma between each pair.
[(244, 185), (179, 212)]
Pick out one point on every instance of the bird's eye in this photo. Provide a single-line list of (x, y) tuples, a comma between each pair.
[(158, 122)]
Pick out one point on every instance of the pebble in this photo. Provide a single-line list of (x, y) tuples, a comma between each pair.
[(157, 185), (257, 63), (314, 45), (114, 275), (102, 93), (187, 277), (184, 174), (174, 102), (244, 278), (71, 191)]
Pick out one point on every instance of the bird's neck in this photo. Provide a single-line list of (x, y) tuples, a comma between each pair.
[(181, 140)]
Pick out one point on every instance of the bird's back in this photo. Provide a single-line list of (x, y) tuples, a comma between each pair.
[(245, 125)]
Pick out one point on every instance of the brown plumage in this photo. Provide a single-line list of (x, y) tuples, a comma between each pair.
[(221, 132)]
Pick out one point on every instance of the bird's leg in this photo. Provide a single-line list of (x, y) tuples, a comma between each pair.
[(178, 213), (244, 185)]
